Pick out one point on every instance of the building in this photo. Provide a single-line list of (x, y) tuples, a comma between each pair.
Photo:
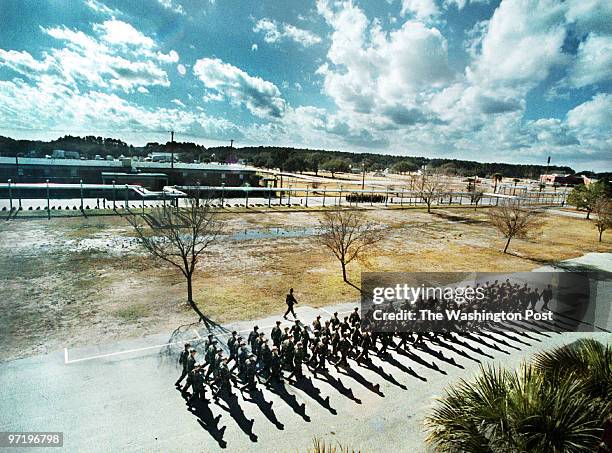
[(562, 180), (128, 171)]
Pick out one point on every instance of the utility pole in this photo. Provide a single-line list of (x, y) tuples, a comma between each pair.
[(172, 149), (363, 176)]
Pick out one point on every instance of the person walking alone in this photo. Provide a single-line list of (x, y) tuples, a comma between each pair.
[(290, 301)]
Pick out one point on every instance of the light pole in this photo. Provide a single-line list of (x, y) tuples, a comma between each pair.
[(10, 196), (81, 184), (114, 196), (363, 176), (48, 202), (306, 195), (222, 194)]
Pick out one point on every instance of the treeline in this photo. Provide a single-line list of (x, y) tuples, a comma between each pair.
[(284, 158)]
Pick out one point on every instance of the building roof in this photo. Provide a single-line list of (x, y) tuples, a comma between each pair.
[(119, 164)]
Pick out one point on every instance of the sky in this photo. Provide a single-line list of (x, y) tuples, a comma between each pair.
[(512, 81)]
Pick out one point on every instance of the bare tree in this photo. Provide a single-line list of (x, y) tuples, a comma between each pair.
[(603, 208), (178, 236), (348, 235), (512, 220), (429, 188), (476, 196)]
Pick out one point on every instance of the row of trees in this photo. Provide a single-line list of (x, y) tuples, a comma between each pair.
[(285, 158), (594, 198)]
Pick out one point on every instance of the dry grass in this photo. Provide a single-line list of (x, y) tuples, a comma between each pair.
[(54, 295)]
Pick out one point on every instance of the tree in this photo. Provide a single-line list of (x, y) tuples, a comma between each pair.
[(347, 234), (603, 208), (497, 177), (404, 166), (584, 197), (178, 236), (336, 165), (313, 162), (557, 403), (429, 188), (511, 220), (476, 196)]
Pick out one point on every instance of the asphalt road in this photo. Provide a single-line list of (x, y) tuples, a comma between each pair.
[(120, 397)]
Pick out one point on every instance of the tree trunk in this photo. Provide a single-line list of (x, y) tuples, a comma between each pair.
[(600, 233), (507, 244), (344, 272), (429, 207), (588, 214), (189, 289)]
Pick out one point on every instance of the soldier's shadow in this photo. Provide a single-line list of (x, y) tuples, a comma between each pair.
[(280, 390), (257, 397), (337, 384), (236, 412), (305, 384), (209, 422)]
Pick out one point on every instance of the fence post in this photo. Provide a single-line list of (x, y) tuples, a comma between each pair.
[(306, 195), (81, 183)]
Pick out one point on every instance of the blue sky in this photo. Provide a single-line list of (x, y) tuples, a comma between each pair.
[(513, 81)]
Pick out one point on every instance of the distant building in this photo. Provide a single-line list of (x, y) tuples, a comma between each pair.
[(72, 171), (62, 154), (563, 180)]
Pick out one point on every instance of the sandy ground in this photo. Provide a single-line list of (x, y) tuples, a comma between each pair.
[(77, 281)]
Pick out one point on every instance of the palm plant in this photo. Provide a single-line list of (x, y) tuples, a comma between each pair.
[(320, 446), (557, 404)]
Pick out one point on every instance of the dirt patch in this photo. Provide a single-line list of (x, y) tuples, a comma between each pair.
[(74, 281)]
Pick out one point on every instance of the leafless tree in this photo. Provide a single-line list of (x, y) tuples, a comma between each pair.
[(178, 236), (348, 235), (512, 220), (603, 208), (429, 188), (476, 197)]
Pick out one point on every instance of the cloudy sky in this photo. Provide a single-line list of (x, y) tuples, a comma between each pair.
[(512, 81)]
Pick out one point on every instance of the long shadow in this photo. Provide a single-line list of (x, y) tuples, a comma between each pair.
[(393, 361), (305, 384), (417, 359), (450, 347), (498, 340), (257, 397), (469, 336), (388, 377), (338, 385), (544, 325), (470, 347), (507, 335), (513, 331), (440, 356), (280, 390), (350, 372), (236, 412), (209, 422), (520, 326)]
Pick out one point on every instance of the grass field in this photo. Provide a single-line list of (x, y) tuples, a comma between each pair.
[(74, 281)]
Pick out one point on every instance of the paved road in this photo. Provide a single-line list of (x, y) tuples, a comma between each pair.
[(120, 397)]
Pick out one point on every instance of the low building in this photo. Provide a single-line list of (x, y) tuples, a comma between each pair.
[(562, 180), (72, 171)]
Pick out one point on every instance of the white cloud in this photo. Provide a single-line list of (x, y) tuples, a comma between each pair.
[(521, 44), (172, 5), (380, 74), (142, 90), (275, 32), (254, 47), (182, 70), (593, 62), (592, 117), (460, 4), (117, 56), (421, 9), (50, 106), (178, 102), (262, 98)]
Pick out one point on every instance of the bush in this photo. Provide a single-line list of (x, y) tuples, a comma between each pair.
[(557, 403)]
